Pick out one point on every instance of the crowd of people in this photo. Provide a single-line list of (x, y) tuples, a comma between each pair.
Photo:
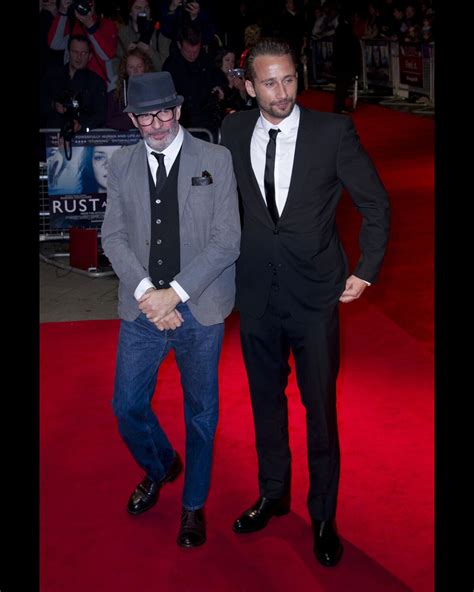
[(89, 54), (89, 57)]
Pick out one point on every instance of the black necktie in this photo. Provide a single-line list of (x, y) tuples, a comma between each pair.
[(269, 176), (161, 172)]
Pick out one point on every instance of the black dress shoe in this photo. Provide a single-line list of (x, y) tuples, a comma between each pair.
[(327, 546), (193, 528), (147, 491), (257, 517)]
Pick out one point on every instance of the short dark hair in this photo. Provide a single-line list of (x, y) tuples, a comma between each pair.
[(82, 38), (266, 46), (221, 52), (190, 33)]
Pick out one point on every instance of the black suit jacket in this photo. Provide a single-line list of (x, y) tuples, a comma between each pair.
[(304, 248)]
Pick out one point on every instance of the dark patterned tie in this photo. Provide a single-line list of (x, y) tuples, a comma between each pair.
[(161, 172), (269, 176)]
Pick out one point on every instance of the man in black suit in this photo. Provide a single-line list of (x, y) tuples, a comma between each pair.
[(291, 166)]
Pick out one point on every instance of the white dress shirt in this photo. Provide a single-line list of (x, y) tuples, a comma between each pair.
[(171, 152), (284, 155)]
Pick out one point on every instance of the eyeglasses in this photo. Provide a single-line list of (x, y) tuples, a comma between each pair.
[(147, 118)]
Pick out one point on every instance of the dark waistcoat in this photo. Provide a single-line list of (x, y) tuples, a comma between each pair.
[(164, 261)]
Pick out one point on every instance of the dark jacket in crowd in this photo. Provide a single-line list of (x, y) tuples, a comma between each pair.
[(347, 52), (85, 86), (195, 81)]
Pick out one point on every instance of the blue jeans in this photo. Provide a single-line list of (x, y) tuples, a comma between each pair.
[(141, 349)]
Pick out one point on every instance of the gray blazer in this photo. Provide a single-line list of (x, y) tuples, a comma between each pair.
[(209, 227)]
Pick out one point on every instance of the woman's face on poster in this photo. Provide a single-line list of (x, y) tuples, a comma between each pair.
[(100, 164)]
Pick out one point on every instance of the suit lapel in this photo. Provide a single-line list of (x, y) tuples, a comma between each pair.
[(247, 164), (301, 162), (187, 168), (246, 141)]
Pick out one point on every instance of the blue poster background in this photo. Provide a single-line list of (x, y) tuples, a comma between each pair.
[(77, 176)]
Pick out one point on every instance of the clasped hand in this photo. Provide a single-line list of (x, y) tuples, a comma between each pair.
[(159, 306)]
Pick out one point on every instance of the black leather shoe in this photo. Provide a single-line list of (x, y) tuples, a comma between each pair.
[(193, 528), (257, 517), (147, 491), (327, 546)]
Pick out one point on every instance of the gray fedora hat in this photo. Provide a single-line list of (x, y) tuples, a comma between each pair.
[(151, 92)]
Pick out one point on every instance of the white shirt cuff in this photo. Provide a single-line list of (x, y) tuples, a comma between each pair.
[(179, 290), (142, 288)]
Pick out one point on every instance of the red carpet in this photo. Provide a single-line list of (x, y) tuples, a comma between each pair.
[(385, 515)]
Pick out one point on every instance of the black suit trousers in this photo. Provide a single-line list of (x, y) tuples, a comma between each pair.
[(266, 345)]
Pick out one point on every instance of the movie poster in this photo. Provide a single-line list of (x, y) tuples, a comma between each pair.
[(77, 176)]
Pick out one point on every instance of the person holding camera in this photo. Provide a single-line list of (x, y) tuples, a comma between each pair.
[(140, 32), (79, 17), (235, 95), (72, 97), (176, 14), (198, 80)]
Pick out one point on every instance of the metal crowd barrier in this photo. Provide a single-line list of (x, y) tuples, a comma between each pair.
[(390, 71), (401, 68), (321, 61), (202, 131), (46, 233)]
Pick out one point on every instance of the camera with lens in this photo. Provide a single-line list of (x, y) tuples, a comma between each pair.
[(71, 113), (145, 27), (237, 73), (83, 7)]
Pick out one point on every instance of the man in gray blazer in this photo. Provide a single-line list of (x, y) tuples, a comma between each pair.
[(172, 233)]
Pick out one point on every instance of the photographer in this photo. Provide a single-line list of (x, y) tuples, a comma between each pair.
[(73, 97), (235, 95), (198, 80), (79, 17), (140, 32), (177, 14)]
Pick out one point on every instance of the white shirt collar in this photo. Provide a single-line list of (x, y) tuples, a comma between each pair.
[(286, 126)]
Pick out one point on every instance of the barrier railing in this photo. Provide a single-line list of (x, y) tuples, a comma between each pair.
[(390, 70), (403, 68), (45, 231), (377, 65), (198, 132)]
